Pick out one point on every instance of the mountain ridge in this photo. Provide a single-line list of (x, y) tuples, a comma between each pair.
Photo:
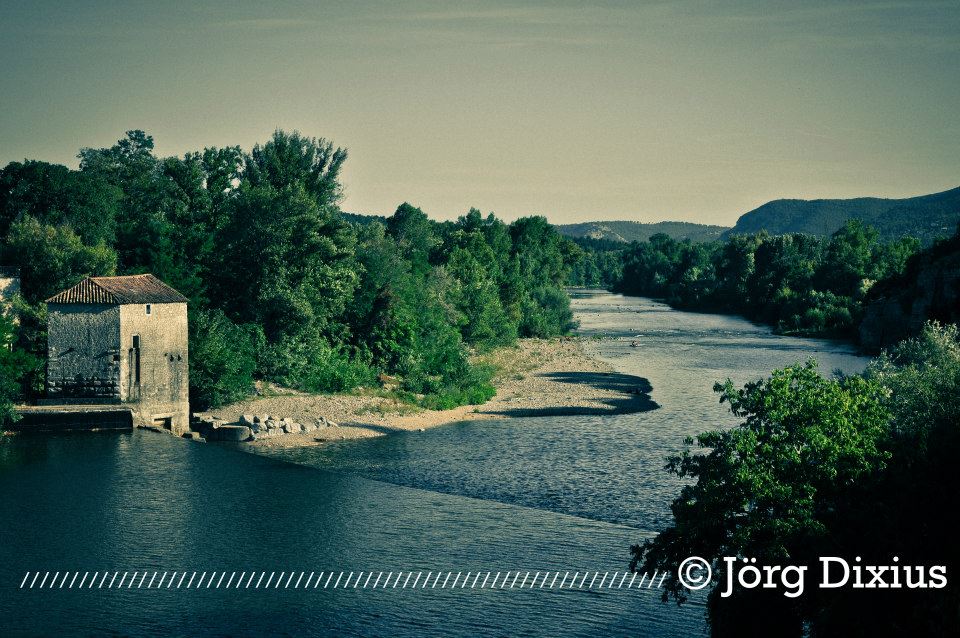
[(926, 217)]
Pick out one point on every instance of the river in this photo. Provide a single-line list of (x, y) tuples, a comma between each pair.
[(567, 494)]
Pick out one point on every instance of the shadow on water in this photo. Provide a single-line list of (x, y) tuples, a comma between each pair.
[(636, 395)]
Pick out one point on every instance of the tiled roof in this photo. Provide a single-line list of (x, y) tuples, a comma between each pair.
[(119, 291)]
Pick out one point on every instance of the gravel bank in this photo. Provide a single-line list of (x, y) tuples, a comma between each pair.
[(538, 377)]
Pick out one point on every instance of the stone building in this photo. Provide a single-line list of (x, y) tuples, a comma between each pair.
[(121, 340)]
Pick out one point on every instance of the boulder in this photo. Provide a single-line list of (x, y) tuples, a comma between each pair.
[(230, 433), (309, 427), (248, 420)]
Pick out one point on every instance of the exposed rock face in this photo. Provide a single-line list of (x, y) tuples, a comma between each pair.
[(928, 290)]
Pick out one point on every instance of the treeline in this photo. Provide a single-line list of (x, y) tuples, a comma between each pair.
[(598, 263), (859, 467), (281, 285), (799, 283)]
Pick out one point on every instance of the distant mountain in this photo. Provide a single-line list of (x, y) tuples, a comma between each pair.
[(925, 217), (627, 231)]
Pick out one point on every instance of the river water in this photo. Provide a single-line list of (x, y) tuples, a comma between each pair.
[(567, 493)]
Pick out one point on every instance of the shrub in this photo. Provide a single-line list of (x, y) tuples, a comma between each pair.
[(309, 362), (16, 369), (223, 357)]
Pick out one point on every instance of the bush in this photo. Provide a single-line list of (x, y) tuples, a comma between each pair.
[(16, 369), (546, 313), (473, 388), (223, 357), (308, 362)]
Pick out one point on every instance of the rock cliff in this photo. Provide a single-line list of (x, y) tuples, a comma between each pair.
[(929, 289)]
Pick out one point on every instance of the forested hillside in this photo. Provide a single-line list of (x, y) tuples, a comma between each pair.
[(927, 217), (282, 285)]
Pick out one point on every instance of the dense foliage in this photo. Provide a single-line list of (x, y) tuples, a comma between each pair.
[(282, 285), (799, 283), (599, 263), (16, 371), (850, 466)]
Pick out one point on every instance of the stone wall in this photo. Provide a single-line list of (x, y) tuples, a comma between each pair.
[(162, 394), (84, 357)]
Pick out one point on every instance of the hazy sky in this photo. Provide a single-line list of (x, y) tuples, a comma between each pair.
[(575, 110)]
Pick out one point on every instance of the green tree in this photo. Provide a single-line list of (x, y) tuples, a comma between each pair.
[(291, 160), (285, 263), (413, 233), (57, 196), (143, 231), (771, 487), (16, 368), (476, 298), (848, 259), (51, 258), (223, 359)]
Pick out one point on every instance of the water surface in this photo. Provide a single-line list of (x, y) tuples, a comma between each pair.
[(551, 493), (605, 468)]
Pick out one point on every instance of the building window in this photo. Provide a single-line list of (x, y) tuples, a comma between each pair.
[(148, 309)]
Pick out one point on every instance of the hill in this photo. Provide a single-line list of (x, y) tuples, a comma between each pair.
[(628, 231), (926, 217)]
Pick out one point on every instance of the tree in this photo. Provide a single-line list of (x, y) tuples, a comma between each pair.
[(289, 160), (51, 258), (57, 196), (771, 487), (848, 259), (540, 267), (223, 358), (476, 298), (413, 233), (16, 368), (285, 263)]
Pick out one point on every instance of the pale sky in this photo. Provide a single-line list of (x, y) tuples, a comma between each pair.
[(690, 111)]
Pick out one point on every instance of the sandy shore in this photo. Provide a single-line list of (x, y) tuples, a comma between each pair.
[(538, 377)]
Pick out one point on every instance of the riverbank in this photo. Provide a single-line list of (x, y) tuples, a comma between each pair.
[(537, 377)]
